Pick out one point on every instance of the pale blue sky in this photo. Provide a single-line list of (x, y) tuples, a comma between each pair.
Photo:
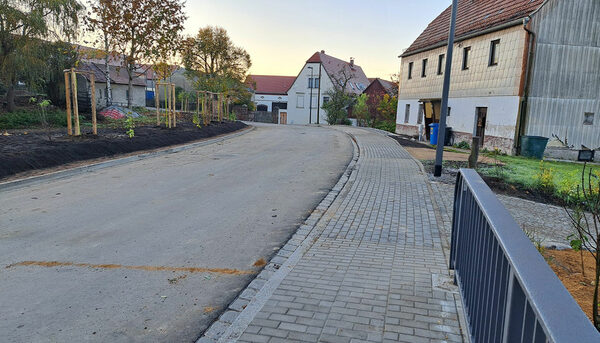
[(281, 35)]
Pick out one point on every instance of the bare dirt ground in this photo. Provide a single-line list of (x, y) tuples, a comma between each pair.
[(566, 264)]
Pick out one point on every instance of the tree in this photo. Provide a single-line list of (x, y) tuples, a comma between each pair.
[(386, 113), (339, 99), (583, 208), (23, 24), (98, 21), (216, 64), (361, 110), (337, 106), (141, 30)]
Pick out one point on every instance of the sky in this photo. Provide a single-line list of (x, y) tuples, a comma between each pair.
[(280, 35)]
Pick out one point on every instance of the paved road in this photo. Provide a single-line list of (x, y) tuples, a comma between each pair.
[(153, 250)]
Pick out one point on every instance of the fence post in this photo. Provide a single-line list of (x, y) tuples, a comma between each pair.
[(68, 103)]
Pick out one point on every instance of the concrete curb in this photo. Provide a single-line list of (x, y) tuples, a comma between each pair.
[(4, 186), (240, 313)]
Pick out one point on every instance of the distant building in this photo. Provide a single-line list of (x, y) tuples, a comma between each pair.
[(519, 68), (119, 81), (376, 90), (320, 74), (269, 92)]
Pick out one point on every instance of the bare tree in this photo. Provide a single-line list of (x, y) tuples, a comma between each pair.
[(584, 211)]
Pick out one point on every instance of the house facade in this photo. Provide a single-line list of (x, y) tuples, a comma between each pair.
[(505, 54), (119, 85), (269, 92), (320, 74)]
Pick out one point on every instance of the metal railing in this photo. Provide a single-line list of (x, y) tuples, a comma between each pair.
[(509, 292)]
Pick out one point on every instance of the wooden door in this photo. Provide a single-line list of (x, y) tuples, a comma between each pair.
[(283, 118), (481, 120)]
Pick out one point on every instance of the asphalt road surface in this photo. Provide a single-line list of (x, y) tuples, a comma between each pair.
[(154, 250)]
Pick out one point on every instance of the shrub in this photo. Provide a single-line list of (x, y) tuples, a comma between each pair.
[(463, 145), (545, 179), (27, 119), (386, 126)]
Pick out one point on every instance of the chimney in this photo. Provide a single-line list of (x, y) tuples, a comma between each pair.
[(351, 61), (322, 51)]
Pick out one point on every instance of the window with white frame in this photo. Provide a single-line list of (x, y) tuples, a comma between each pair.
[(407, 114), (299, 100)]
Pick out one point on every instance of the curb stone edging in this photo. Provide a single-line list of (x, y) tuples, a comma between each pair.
[(236, 318), (9, 185)]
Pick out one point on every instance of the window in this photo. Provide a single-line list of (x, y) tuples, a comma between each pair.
[(588, 118), (441, 59), (465, 63), (325, 100), (410, 68), (313, 82), (424, 70), (299, 100), (449, 110), (407, 114), (494, 52), (420, 114)]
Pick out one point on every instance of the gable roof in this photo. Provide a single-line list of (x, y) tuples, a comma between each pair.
[(389, 86), (334, 66), (270, 84), (472, 16), (118, 75)]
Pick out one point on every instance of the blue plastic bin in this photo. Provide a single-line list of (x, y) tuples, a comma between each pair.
[(433, 133)]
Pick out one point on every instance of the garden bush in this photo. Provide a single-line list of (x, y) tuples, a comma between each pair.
[(30, 118)]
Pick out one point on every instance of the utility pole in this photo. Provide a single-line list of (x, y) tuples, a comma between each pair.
[(446, 90), (310, 85), (319, 95)]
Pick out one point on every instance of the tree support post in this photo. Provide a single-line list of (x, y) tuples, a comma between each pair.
[(68, 102), (94, 119), (75, 106)]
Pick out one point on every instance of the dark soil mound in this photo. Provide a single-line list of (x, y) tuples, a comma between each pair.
[(411, 143), (24, 152)]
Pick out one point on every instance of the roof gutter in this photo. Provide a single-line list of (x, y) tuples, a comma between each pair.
[(512, 23), (528, 56)]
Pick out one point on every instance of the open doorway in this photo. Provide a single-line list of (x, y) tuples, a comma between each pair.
[(432, 110), (480, 121)]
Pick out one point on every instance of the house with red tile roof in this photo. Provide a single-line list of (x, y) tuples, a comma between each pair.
[(269, 92), (320, 74), (520, 67), (376, 90)]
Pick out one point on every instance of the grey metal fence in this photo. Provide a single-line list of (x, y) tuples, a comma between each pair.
[(509, 292)]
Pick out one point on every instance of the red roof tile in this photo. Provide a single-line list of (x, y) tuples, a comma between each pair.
[(335, 66), (270, 84), (473, 16)]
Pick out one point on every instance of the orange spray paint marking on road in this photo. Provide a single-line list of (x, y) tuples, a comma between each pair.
[(50, 264)]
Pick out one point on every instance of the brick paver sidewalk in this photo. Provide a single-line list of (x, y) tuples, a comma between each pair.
[(374, 266)]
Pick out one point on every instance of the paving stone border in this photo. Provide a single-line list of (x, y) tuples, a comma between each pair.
[(234, 320)]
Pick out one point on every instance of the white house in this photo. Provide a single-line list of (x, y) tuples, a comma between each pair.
[(119, 85), (320, 74), (519, 68), (269, 92)]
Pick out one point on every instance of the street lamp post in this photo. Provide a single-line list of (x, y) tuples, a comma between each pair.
[(310, 85), (442, 126)]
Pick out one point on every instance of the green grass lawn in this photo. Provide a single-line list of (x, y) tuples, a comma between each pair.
[(526, 172)]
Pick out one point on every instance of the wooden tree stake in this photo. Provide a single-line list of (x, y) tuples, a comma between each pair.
[(94, 119), (68, 101), (75, 106)]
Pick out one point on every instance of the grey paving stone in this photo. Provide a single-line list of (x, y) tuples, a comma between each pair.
[(368, 275)]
